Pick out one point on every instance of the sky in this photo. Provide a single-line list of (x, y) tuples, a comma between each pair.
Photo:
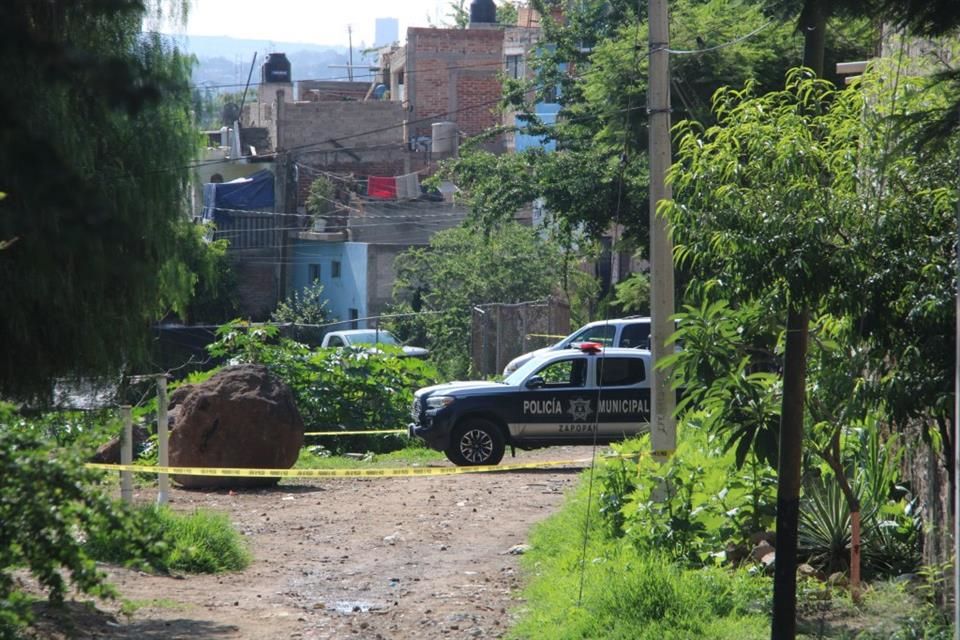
[(312, 21)]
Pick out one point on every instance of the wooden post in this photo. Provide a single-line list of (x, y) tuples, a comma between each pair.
[(855, 556), (163, 480), (126, 454)]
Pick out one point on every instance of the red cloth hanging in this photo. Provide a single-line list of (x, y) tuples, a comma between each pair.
[(382, 187)]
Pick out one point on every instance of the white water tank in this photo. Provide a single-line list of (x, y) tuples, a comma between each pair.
[(445, 139)]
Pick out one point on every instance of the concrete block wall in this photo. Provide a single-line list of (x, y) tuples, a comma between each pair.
[(362, 124), (448, 71), (331, 91), (381, 275), (257, 272)]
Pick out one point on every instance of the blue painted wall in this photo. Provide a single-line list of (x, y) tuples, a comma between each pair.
[(349, 291), (547, 112)]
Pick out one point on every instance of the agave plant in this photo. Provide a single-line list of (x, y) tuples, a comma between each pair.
[(824, 532)]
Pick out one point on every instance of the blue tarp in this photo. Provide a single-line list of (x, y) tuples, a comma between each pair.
[(253, 193)]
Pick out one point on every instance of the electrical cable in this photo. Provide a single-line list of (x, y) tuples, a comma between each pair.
[(406, 72), (601, 360), (731, 43)]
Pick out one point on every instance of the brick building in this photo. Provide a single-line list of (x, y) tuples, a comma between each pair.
[(452, 75)]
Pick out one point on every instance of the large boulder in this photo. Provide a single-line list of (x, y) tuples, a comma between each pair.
[(109, 452), (242, 417)]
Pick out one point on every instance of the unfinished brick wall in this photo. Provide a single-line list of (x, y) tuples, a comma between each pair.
[(451, 74)]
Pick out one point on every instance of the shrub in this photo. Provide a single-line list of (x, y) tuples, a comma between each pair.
[(200, 542), (708, 504), (627, 592), (349, 388), (49, 504)]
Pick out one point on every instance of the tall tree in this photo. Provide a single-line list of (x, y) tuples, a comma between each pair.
[(97, 140), (768, 198), (595, 68), (456, 272)]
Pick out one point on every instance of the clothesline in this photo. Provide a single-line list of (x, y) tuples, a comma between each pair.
[(405, 187)]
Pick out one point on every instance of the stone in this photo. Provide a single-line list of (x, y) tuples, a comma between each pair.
[(518, 549), (759, 537), (736, 553), (109, 452), (838, 579), (242, 417), (769, 562), (806, 571), (761, 550)]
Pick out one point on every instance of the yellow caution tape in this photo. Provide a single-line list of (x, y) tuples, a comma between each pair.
[(330, 473), (353, 433)]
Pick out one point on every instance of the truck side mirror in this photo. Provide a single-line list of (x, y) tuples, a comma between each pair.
[(536, 382)]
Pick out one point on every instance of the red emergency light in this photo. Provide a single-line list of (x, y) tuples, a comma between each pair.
[(591, 347)]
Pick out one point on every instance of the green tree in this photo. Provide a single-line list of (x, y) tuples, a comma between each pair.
[(632, 296), (349, 388), (595, 70), (307, 306), (781, 167), (459, 270), (320, 198), (507, 13), (98, 140)]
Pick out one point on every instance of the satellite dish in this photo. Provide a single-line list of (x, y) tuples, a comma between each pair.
[(231, 113)]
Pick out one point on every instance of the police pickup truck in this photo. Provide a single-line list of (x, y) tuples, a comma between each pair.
[(566, 397)]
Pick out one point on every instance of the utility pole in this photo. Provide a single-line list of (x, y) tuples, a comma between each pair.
[(350, 40), (663, 425), (956, 452)]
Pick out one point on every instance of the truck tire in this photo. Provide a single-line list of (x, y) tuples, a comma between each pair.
[(475, 442)]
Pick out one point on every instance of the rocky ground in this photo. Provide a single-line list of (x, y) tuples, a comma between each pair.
[(348, 558)]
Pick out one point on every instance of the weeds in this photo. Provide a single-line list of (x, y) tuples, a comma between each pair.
[(200, 542), (628, 593)]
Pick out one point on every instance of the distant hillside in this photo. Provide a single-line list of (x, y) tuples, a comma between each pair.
[(226, 61)]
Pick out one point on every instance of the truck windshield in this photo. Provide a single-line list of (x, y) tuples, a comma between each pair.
[(372, 337)]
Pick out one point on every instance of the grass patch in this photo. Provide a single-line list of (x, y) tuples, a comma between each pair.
[(407, 457), (889, 611), (643, 596), (627, 595), (199, 542), (129, 608)]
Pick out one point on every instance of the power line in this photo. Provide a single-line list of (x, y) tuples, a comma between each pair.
[(736, 41), (406, 72), (430, 118)]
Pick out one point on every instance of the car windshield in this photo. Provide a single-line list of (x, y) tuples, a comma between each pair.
[(371, 337), (602, 333), (517, 377)]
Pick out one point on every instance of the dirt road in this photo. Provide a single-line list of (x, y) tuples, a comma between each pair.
[(355, 558)]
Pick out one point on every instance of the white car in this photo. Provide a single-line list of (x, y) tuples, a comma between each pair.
[(370, 337), (631, 333)]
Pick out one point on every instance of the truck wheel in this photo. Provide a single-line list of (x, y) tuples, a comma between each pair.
[(475, 441)]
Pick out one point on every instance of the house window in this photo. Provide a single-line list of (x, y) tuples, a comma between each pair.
[(313, 273), (335, 269), (515, 69), (354, 317)]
